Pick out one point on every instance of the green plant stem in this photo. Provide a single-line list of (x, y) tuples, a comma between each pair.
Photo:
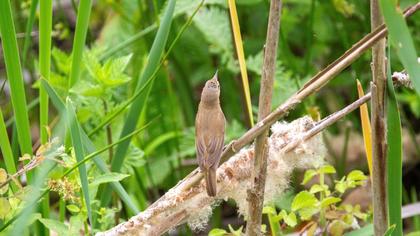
[(322, 220), (62, 210)]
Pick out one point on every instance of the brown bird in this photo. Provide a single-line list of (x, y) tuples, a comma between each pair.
[(210, 133)]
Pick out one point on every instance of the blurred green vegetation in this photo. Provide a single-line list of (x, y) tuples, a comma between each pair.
[(313, 33)]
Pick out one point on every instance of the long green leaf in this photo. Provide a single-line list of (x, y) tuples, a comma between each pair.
[(79, 152), (6, 149), (153, 61), (82, 23), (133, 115), (59, 105), (45, 27), (14, 74), (394, 158), (401, 40), (28, 30)]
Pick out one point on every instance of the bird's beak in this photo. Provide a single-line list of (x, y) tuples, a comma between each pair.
[(215, 75)]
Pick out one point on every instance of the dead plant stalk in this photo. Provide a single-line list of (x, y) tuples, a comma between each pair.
[(379, 142), (255, 196)]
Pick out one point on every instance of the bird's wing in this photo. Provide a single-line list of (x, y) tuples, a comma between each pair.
[(201, 151), (214, 150)]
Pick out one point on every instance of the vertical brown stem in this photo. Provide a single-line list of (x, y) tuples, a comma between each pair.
[(379, 144), (255, 196)]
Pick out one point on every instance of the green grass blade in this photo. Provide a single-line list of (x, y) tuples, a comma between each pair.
[(14, 74), (59, 105), (133, 115), (153, 61), (394, 136), (82, 23), (401, 40), (28, 30), (45, 27), (79, 152), (6, 149)]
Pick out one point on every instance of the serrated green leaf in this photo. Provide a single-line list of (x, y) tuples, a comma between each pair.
[(304, 199)]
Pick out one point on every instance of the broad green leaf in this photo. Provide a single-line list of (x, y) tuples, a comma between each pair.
[(356, 175), (73, 208), (269, 210), (56, 226), (327, 169), (290, 219), (309, 174), (4, 207), (329, 200), (307, 213), (217, 232), (109, 177), (304, 199), (3, 178), (316, 188)]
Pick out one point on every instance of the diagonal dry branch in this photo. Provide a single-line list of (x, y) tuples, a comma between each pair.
[(294, 145)]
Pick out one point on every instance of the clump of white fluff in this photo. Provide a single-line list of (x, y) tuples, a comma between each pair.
[(308, 154)]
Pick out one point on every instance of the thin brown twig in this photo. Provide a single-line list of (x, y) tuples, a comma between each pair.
[(378, 114), (256, 192)]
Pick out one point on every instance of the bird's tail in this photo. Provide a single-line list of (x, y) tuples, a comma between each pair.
[(210, 176)]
